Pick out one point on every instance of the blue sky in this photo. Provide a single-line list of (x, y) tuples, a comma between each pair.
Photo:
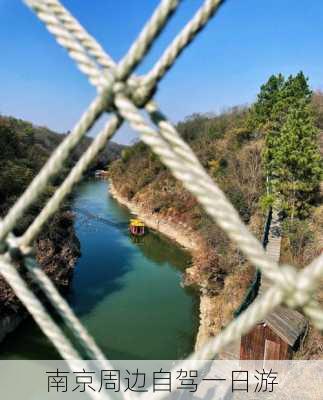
[(246, 42)]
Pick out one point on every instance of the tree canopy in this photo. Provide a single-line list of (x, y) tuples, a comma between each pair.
[(283, 114)]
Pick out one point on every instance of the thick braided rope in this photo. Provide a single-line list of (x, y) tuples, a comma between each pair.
[(72, 321), (241, 325), (178, 156), (43, 319), (96, 108), (67, 35), (171, 150), (65, 39), (73, 177), (273, 297), (55, 201), (76, 29), (52, 166), (256, 312), (205, 11), (314, 270), (146, 38), (48, 325), (189, 32), (49, 209), (68, 316), (188, 170), (35, 308)]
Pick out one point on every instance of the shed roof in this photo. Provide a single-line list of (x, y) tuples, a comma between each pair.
[(287, 323)]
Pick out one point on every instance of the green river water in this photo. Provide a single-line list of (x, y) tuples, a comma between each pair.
[(127, 293)]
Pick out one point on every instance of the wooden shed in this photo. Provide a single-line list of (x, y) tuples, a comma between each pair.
[(280, 333), (275, 338)]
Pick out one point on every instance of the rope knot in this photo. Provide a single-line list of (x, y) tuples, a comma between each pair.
[(119, 87), (141, 91), (12, 247), (297, 289), (136, 89)]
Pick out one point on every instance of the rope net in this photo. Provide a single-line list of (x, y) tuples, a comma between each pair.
[(123, 94)]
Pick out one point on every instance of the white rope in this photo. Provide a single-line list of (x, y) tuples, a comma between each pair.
[(68, 316), (36, 309), (73, 177), (169, 57), (76, 172), (76, 29), (52, 166), (175, 153), (146, 37), (190, 30), (122, 93), (76, 40), (43, 319), (65, 39), (137, 51), (238, 327)]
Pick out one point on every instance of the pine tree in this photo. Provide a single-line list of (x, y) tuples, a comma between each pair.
[(283, 113), (261, 112), (296, 164), (293, 89), (290, 92)]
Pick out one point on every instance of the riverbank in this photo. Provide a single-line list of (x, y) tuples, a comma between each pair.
[(118, 284), (180, 233), (185, 237), (57, 255)]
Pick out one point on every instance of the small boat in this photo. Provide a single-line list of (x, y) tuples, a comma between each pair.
[(100, 173), (137, 227)]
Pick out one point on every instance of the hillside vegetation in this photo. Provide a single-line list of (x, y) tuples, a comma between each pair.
[(24, 150), (267, 153), (232, 156)]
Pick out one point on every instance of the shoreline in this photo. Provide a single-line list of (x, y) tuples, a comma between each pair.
[(182, 235)]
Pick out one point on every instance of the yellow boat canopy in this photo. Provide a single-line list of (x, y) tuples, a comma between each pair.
[(136, 222)]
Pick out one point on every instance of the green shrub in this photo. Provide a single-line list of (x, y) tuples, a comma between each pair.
[(299, 235), (266, 201)]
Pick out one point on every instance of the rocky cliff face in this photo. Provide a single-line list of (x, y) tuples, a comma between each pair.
[(57, 250), (58, 253)]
